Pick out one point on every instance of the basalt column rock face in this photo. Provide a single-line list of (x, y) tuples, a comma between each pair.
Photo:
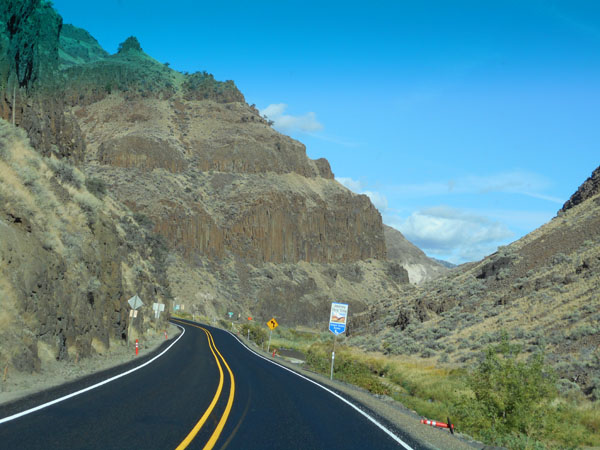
[(215, 179), (31, 87)]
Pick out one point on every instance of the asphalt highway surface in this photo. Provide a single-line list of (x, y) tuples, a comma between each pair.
[(206, 391)]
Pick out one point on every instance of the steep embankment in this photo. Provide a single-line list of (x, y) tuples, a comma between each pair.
[(541, 289), (68, 262)]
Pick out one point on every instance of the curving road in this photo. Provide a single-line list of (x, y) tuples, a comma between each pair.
[(207, 391)]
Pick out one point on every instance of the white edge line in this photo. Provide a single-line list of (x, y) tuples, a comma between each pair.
[(372, 419), (89, 388)]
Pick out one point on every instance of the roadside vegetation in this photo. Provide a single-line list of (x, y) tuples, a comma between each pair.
[(508, 398)]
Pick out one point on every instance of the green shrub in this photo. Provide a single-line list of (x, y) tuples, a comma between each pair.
[(511, 397), (347, 367), (96, 186), (257, 333), (65, 172)]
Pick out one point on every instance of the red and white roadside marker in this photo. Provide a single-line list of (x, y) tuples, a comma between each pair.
[(136, 347), (434, 423)]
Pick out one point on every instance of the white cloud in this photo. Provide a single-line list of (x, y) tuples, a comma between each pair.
[(515, 182), (353, 185), (379, 200), (288, 123), (458, 235)]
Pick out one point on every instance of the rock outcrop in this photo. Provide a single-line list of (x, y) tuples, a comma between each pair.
[(588, 189)]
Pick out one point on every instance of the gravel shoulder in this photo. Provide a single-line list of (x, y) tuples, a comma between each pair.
[(18, 385)]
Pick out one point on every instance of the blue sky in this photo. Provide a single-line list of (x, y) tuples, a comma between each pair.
[(468, 123)]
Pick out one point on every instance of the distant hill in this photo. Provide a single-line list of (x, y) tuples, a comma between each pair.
[(446, 264), (419, 266)]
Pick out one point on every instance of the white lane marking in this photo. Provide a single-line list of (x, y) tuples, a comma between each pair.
[(372, 419), (89, 388)]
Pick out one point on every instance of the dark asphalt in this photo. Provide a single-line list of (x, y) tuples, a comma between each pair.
[(157, 406)]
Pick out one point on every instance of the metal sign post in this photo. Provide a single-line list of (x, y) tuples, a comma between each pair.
[(269, 346), (332, 357), (337, 325), (272, 324)]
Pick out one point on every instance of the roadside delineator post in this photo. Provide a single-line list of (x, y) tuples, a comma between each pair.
[(434, 423), (136, 347), (166, 335)]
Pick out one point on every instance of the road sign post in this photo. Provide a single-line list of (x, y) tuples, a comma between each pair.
[(272, 324), (337, 325), (135, 302)]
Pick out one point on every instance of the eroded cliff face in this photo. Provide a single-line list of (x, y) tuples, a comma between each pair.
[(215, 178), (68, 262)]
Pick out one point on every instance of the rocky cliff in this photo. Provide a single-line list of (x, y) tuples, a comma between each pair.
[(32, 88), (210, 172), (68, 261)]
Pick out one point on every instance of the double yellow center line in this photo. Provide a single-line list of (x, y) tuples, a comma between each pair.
[(215, 436)]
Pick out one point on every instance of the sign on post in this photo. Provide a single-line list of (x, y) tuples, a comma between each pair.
[(272, 324), (338, 318), (337, 325), (158, 308), (135, 302)]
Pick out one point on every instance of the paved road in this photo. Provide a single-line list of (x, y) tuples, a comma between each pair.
[(210, 383)]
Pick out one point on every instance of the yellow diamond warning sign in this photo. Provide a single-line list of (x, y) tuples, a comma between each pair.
[(272, 324)]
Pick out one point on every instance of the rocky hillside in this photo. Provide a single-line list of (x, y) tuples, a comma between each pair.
[(251, 224), (542, 290), (420, 268), (70, 257)]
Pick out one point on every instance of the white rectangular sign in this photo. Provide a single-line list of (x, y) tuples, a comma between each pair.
[(338, 318)]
